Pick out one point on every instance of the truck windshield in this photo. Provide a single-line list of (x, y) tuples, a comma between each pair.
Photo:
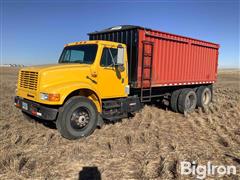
[(84, 54)]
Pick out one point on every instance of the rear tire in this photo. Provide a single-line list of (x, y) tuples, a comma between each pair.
[(77, 118), (204, 96), (174, 100), (187, 101)]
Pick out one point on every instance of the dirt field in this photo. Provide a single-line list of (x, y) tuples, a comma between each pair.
[(147, 146)]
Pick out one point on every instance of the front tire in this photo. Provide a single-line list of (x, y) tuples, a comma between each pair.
[(77, 118)]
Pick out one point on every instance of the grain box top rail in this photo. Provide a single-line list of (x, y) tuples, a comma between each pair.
[(128, 27)]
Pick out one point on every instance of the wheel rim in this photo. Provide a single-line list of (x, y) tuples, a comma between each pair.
[(80, 118), (206, 97)]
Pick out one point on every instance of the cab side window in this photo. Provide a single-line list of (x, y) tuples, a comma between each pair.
[(108, 56)]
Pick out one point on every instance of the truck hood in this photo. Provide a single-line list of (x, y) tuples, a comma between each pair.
[(47, 67), (55, 74)]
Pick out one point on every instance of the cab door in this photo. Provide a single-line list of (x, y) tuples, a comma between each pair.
[(112, 82)]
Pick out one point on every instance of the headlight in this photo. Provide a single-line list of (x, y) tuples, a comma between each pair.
[(50, 97), (43, 96)]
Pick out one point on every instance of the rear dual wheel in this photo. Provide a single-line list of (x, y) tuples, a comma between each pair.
[(183, 100), (174, 100), (186, 100), (204, 96)]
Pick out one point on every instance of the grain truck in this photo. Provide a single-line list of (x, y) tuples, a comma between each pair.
[(116, 72)]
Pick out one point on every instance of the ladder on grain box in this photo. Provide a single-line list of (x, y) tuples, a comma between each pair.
[(146, 80)]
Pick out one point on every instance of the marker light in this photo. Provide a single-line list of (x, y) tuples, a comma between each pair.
[(54, 97)]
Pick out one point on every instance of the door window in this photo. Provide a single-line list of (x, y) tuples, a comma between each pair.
[(109, 57)]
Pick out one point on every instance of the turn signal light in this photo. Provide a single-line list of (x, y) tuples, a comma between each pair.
[(54, 97)]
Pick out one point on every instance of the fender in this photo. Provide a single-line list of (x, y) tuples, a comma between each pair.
[(65, 89)]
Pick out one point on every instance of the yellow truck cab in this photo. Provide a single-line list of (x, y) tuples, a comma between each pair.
[(73, 90)]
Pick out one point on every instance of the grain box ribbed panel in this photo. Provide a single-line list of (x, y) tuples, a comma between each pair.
[(179, 60)]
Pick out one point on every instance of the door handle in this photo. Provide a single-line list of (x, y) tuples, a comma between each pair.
[(95, 82)]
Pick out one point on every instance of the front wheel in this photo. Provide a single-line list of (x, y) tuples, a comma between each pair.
[(77, 118)]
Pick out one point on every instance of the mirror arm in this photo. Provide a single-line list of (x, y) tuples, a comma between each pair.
[(111, 57)]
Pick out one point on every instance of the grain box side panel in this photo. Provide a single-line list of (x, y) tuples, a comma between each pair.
[(178, 60)]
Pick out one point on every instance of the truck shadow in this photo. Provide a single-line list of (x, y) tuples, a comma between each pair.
[(49, 124), (160, 104), (89, 173), (33, 119)]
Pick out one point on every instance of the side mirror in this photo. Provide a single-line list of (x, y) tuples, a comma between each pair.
[(120, 56)]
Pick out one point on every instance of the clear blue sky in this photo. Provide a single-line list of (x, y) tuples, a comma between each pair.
[(34, 32)]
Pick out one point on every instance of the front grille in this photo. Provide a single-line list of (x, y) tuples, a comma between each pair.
[(29, 80)]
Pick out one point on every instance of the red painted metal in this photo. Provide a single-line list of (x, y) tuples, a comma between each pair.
[(178, 60)]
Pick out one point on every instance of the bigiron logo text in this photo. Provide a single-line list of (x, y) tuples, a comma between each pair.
[(202, 171)]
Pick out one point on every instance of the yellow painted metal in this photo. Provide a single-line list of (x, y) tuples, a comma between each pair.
[(92, 81), (111, 81)]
